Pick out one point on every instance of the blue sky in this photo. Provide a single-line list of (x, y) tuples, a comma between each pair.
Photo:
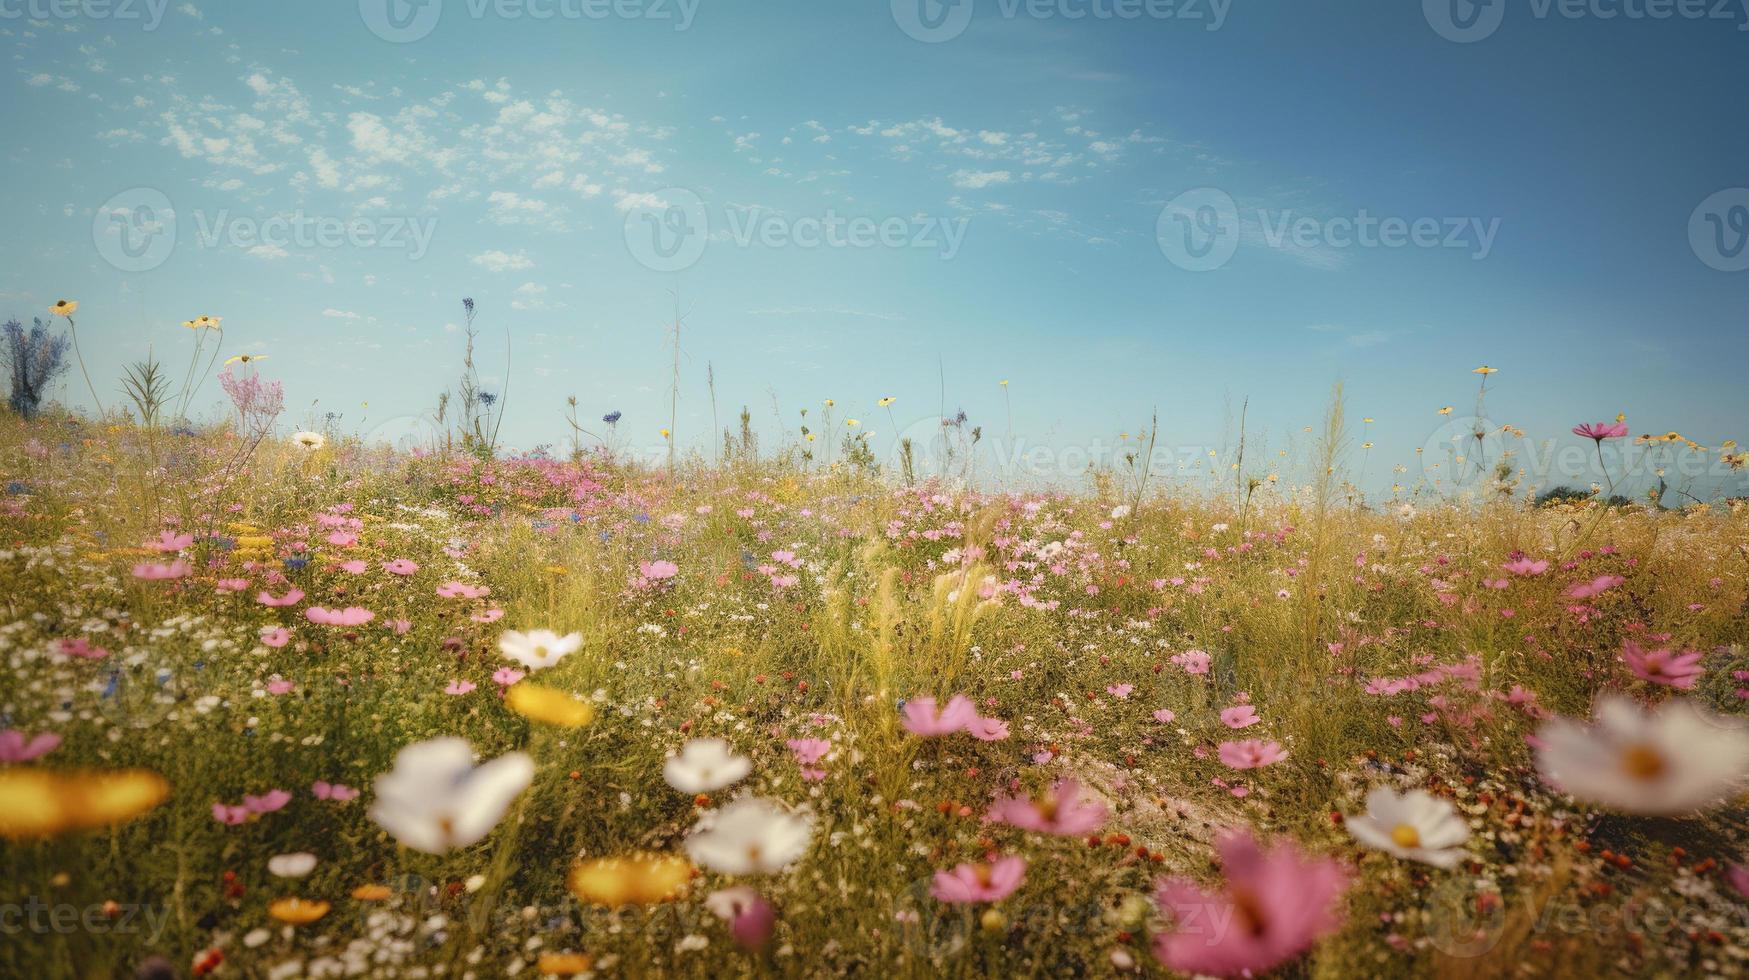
[(1008, 182)]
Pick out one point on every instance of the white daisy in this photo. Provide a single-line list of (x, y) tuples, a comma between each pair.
[(1416, 826), (292, 865), (705, 765), (436, 799), (1674, 759), (311, 441), (750, 836), (538, 649)]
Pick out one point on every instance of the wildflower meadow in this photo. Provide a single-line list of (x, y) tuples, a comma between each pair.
[(302, 704)]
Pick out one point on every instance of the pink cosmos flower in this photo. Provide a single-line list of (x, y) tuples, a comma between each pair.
[(1240, 716), (1679, 670), (292, 597), (1193, 661), (1738, 876), (750, 917), (280, 685), (1599, 431), (354, 567), (400, 566), (656, 571), (341, 539), (231, 584), (980, 882), (1165, 716), (1595, 587), (1524, 566), (16, 747), (277, 637), (79, 646), (459, 687), (168, 541), (488, 616), (507, 676), (400, 626), (1275, 905), (1120, 691), (267, 802), (988, 729), (227, 814), (809, 750), (1251, 753), (336, 792), (924, 719), (462, 590), (153, 572), (1063, 811), (350, 616)]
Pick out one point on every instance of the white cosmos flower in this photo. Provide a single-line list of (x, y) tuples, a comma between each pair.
[(538, 649), (436, 799), (750, 836), (292, 865), (705, 765), (1674, 759), (1416, 826), (311, 441)]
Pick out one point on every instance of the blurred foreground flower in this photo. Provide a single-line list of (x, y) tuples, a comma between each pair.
[(705, 765), (748, 914), (1674, 759), (538, 649), (549, 706), (634, 879), (750, 836), (1416, 826), (1275, 905), (44, 803), (297, 911), (436, 799)]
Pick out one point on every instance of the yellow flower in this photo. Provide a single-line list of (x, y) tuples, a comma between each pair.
[(810, 437), (635, 879), (191, 324), (545, 704), (43, 803), (297, 911), (1003, 382), (1485, 369), (371, 893), (887, 401), (830, 403), (563, 964), (64, 307), (208, 322), (851, 423), (1366, 445), (1446, 410), (665, 433), (1368, 421), (245, 358)]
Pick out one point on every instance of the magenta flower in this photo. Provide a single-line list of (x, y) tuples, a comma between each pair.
[(336, 792), (1193, 661), (16, 747), (168, 541), (279, 686), (1679, 670), (1165, 716), (809, 750), (267, 802), (1240, 716), (462, 590), (1120, 691), (292, 597), (1599, 431), (231, 584), (1251, 753), (506, 676), (1063, 811), (153, 572), (1595, 587), (459, 687), (277, 637), (656, 571), (924, 719), (400, 566), (1524, 566), (750, 917), (230, 815), (988, 729), (79, 646), (350, 616), (1275, 905), (980, 882)]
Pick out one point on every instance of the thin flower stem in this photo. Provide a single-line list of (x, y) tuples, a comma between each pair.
[(73, 331)]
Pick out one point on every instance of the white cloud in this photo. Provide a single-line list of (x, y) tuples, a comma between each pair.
[(979, 179), (499, 261), (340, 314)]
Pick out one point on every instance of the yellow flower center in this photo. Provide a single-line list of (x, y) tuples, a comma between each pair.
[(1406, 836), (1643, 762)]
